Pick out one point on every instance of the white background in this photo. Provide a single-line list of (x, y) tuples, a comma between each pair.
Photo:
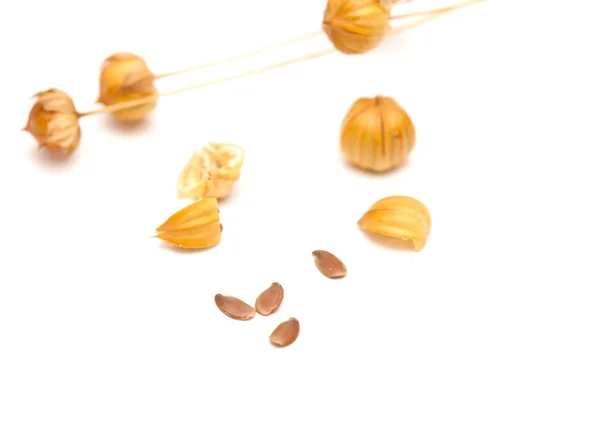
[(496, 321)]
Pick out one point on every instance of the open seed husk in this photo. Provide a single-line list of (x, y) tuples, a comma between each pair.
[(196, 226), (286, 333), (328, 264), (269, 300), (54, 122), (211, 171), (234, 307), (401, 217)]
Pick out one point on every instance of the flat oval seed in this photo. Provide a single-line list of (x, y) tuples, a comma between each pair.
[(269, 300), (329, 265), (286, 333), (234, 307)]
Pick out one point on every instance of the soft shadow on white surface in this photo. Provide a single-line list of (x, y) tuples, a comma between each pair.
[(179, 250), (389, 174), (390, 243), (50, 160), (128, 128)]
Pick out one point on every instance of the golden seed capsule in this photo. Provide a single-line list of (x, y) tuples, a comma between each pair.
[(195, 226), (377, 134), (399, 217), (356, 26), (54, 122), (124, 77), (211, 172)]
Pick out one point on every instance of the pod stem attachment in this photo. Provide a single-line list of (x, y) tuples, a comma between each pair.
[(141, 101)]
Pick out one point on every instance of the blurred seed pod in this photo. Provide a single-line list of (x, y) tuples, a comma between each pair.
[(54, 122), (125, 77), (356, 26), (377, 134)]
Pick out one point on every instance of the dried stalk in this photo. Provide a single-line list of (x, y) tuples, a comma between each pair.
[(141, 101), (252, 53), (241, 56), (428, 15)]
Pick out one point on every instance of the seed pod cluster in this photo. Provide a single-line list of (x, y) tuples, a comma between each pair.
[(377, 134), (266, 304), (54, 122), (124, 77), (399, 217)]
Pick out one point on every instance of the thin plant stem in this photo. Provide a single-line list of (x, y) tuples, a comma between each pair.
[(437, 11), (141, 101), (241, 56), (252, 53)]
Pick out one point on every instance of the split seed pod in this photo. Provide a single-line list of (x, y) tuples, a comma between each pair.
[(234, 307), (399, 217), (356, 26), (195, 226), (377, 134), (286, 333), (54, 122), (211, 172), (125, 77), (269, 300)]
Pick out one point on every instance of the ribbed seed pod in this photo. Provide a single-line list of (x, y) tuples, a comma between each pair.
[(356, 26), (54, 122), (196, 226), (377, 134), (124, 77), (399, 217)]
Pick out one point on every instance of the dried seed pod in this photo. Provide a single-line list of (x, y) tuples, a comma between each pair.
[(399, 217), (286, 333), (211, 172), (54, 122), (125, 77), (356, 26), (328, 264), (195, 226), (234, 307), (269, 300), (377, 134)]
